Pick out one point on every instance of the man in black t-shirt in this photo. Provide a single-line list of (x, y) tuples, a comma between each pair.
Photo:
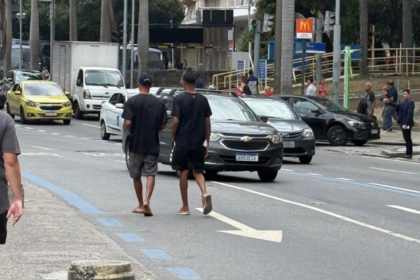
[(191, 132), (145, 115), (369, 99)]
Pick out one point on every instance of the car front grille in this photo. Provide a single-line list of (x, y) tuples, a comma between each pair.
[(253, 145), (44, 116), (50, 107), (294, 151), (232, 159), (97, 107), (291, 135)]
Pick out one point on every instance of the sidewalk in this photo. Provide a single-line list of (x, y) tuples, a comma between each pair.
[(396, 138), (50, 236)]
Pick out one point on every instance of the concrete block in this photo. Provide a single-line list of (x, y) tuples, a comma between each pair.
[(100, 270)]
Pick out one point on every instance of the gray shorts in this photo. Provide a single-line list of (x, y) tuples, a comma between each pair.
[(142, 165)]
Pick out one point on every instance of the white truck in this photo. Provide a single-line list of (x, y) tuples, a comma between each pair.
[(89, 71)]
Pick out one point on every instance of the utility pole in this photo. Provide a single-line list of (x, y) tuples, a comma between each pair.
[(143, 36), (124, 56), (52, 6), (21, 16), (337, 55), (319, 55), (249, 25), (257, 44), (278, 47), (133, 28)]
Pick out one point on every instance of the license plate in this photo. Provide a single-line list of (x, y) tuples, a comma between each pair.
[(247, 157), (288, 144), (375, 131), (51, 114)]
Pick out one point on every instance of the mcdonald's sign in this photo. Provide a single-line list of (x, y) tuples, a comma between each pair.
[(304, 28)]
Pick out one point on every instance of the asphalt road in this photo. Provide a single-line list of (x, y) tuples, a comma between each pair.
[(342, 217)]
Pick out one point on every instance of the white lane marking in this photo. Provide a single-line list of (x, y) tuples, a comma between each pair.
[(56, 133), (345, 179), (70, 136), (404, 209), (314, 174), (41, 130), (86, 138), (395, 171), (394, 160), (246, 231), (17, 125), (95, 126), (397, 188), (30, 128), (42, 155), (287, 170), (362, 224), (120, 161), (43, 148)]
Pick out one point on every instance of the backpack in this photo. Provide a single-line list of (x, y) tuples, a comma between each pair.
[(362, 107)]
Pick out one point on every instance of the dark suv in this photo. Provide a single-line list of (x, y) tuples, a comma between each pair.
[(239, 141)]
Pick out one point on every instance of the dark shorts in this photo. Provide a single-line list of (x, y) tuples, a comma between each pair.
[(142, 165), (182, 157), (3, 228)]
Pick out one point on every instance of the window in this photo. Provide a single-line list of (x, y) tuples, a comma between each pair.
[(303, 106), (28, 76), (230, 109), (15, 87), (117, 98), (10, 75), (43, 90), (104, 78), (271, 108), (80, 78)]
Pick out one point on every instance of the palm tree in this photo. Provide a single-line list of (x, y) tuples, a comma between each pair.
[(364, 33), (143, 36), (7, 37), (278, 50), (287, 42), (105, 22), (34, 35), (73, 20)]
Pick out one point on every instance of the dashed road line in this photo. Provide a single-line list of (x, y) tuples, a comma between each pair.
[(95, 126), (184, 273), (394, 171), (404, 209), (344, 179), (43, 148), (30, 128), (156, 254), (110, 222), (396, 188), (130, 237), (314, 174), (41, 130), (287, 170)]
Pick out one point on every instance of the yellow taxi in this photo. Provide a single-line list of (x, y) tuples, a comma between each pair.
[(38, 100)]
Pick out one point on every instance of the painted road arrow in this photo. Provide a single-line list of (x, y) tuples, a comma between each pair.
[(246, 231)]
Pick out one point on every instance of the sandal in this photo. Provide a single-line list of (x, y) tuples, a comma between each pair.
[(208, 207), (147, 211)]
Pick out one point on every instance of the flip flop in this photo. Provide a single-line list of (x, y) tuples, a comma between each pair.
[(137, 211), (179, 212), (208, 207), (147, 211)]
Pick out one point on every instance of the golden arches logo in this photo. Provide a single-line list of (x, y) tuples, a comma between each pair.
[(305, 26)]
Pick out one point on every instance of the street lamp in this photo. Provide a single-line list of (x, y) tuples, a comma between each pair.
[(20, 16)]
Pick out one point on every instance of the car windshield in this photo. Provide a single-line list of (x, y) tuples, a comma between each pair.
[(104, 78), (330, 106), (27, 76), (43, 90), (271, 108), (231, 109)]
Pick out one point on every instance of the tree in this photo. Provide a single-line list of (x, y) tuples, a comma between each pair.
[(73, 20), (287, 42), (143, 36), (8, 35), (364, 33), (278, 48), (407, 24), (105, 22), (34, 36)]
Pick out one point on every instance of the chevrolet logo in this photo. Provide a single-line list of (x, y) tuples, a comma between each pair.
[(285, 135), (246, 139)]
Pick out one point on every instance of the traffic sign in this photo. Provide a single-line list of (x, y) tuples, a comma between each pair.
[(315, 48), (262, 72), (304, 29)]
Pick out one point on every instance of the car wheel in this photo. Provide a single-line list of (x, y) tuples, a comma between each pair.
[(268, 176), (127, 153), (66, 122), (104, 134), (359, 142), (77, 112), (337, 135), (23, 119), (8, 112), (305, 159)]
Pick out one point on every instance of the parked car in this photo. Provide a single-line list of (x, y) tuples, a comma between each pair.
[(298, 137), (14, 76), (330, 121), (239, 141), (111, 121), (38, 100)]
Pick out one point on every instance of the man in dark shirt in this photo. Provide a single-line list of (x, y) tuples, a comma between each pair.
[(390, 111), (252, 82), (9, 164), (145, 115), (369, 99), (191, 132)]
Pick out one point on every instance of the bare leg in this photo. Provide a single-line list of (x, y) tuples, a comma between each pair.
[(183, 184), (138, 186), (150, 186), (201, 181)]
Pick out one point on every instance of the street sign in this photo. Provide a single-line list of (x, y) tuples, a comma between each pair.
[(241, 66), (315, 48), (262, 73), (304, 29)]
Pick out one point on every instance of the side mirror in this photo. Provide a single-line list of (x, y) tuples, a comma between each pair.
[(119, 106), (18, 92), (264, 119), (316, 112)]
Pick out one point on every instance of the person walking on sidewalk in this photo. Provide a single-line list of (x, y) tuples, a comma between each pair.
[(405, 119), (322, 88), (9, 164), (145, 115), (252, 82), (311, 89), (191, 129), (368, 103), (390, 111)]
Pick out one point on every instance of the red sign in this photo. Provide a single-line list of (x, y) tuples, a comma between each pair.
[(304, 28)]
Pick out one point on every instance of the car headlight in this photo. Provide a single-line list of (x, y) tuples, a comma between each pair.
[(275, 138), (357, 124), (86, 94), (308, 133), (215, 136), (67, 104), (31, 104)]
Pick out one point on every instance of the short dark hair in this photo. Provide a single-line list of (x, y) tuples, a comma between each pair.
[(190, 77), (251, 72), (310, 79), (408, 91), (391, 83)]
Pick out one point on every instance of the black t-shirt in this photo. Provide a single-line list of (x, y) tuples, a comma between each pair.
[(392, 92), (147, 114), (192, 111)]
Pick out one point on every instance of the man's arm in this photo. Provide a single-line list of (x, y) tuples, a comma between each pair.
[(12, 167), (409, 115), (175, 124), (208, 132), (128, 124)]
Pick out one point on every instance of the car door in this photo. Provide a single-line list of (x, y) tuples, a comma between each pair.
[(110, 111), (14, 99), (165, 136), (313, 115)]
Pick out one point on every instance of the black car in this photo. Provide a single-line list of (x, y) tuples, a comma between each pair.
[(14, 76), (239, 141), (330, 121), (298, 137)]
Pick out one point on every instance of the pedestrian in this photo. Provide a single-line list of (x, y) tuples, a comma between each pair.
[(185, 65), (247, 90), (252, 82), (390, 111), (322, 89), (311, 89), (9, 164), (367, 103), (45, 74), (191, 130), (268, 91), (145, 115), (188, 69), (201, 77), (405, 119)]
